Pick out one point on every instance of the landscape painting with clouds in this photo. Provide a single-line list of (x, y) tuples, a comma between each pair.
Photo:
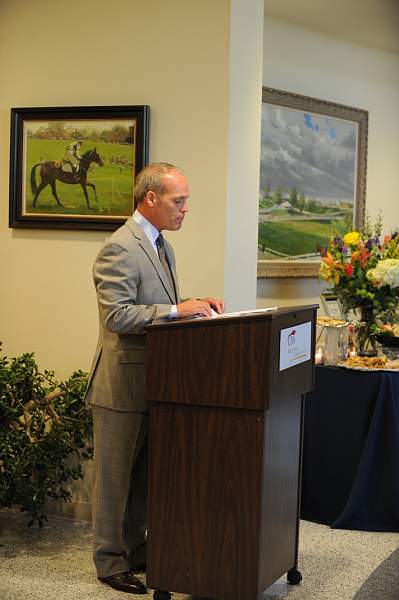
[(307, 182)]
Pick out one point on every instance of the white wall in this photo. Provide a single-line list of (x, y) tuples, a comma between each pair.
[(306, 62)]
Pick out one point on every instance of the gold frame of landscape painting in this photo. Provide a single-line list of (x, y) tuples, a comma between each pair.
[(312, 179), (75, 168)]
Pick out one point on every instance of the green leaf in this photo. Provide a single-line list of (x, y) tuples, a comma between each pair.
[(43, 439)]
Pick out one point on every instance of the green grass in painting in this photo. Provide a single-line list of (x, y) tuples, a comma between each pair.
[(114, 184), (298, 237)]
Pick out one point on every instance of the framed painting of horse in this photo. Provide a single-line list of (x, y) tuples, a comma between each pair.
[(75, 168)]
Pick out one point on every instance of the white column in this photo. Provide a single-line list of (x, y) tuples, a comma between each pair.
[(245, 103)]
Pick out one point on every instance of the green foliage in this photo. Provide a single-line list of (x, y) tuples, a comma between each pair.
[(369, 230), (278, 195), (301, 202), (265, 202), (58, 130), (266, 191), (293, 197), (45, 434)]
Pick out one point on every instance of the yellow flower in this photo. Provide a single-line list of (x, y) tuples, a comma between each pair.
[(329, 269), (352, 238)]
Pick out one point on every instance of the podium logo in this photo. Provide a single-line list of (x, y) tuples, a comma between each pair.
[(291, 337)]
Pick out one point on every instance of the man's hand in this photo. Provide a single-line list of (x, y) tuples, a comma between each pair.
[(217, 304), (190, 308), (202, 307)]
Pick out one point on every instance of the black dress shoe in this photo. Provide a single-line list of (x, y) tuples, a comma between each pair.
[(125, 582)]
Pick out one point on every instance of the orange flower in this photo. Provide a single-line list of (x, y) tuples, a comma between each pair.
[(328, 259), (330, 270), (361, 256), (348, 270), (364, 257)]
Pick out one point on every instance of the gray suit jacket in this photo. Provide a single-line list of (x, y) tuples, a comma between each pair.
[(132, 291)]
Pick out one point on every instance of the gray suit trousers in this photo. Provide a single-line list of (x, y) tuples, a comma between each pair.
[(120, 489)]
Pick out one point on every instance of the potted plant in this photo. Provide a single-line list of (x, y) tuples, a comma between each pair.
[(45, 434)]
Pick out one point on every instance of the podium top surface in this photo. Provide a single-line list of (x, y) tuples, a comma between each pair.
[(239, 316)]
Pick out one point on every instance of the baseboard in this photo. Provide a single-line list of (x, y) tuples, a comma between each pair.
[(69, 510)]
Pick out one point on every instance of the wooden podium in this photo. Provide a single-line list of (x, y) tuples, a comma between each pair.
[(225, 453)]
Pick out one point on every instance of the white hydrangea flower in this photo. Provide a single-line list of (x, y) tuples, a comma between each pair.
[(386, 272)]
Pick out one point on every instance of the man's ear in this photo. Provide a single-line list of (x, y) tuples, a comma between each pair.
[(150, 198)]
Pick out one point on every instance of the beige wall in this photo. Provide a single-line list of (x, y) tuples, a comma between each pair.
[(191, 62), (198, 64), (175, 56), (306, 62), (199, 68)]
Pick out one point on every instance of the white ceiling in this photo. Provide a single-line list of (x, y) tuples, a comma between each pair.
[(369, 22)]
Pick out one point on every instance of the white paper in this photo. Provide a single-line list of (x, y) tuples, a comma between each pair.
[(240, 313), (295, 345)]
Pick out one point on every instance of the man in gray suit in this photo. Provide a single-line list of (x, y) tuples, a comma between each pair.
[(136, 284)]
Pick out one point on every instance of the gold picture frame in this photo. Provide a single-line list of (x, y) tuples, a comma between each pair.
[(300, 135)]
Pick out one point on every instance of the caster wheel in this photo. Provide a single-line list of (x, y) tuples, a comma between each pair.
[(159, 595), (294, 577)]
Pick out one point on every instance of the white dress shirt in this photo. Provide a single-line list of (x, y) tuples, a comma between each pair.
[(152, 234)]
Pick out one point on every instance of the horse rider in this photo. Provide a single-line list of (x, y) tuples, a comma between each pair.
[(72, 155)]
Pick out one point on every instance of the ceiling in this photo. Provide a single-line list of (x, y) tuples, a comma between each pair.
[(368, 22)]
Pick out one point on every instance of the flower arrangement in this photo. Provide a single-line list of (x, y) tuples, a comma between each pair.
[(363, 269), (385, 273)]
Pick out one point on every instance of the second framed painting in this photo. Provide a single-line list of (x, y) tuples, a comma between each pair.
[(75, 168), (312, 180)]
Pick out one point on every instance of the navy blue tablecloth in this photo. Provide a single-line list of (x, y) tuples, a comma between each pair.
[(350, 477)]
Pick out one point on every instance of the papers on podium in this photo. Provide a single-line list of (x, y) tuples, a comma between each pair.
[(241, 313)]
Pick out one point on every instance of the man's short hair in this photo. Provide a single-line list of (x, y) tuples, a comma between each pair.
[(150, 179)]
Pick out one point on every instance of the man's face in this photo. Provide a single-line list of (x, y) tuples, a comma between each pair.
[(170, 207)]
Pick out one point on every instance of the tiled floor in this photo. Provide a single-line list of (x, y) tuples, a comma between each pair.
[(55, 564)]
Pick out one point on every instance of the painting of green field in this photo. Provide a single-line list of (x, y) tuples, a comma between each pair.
[(289, 239), (114, 181)]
